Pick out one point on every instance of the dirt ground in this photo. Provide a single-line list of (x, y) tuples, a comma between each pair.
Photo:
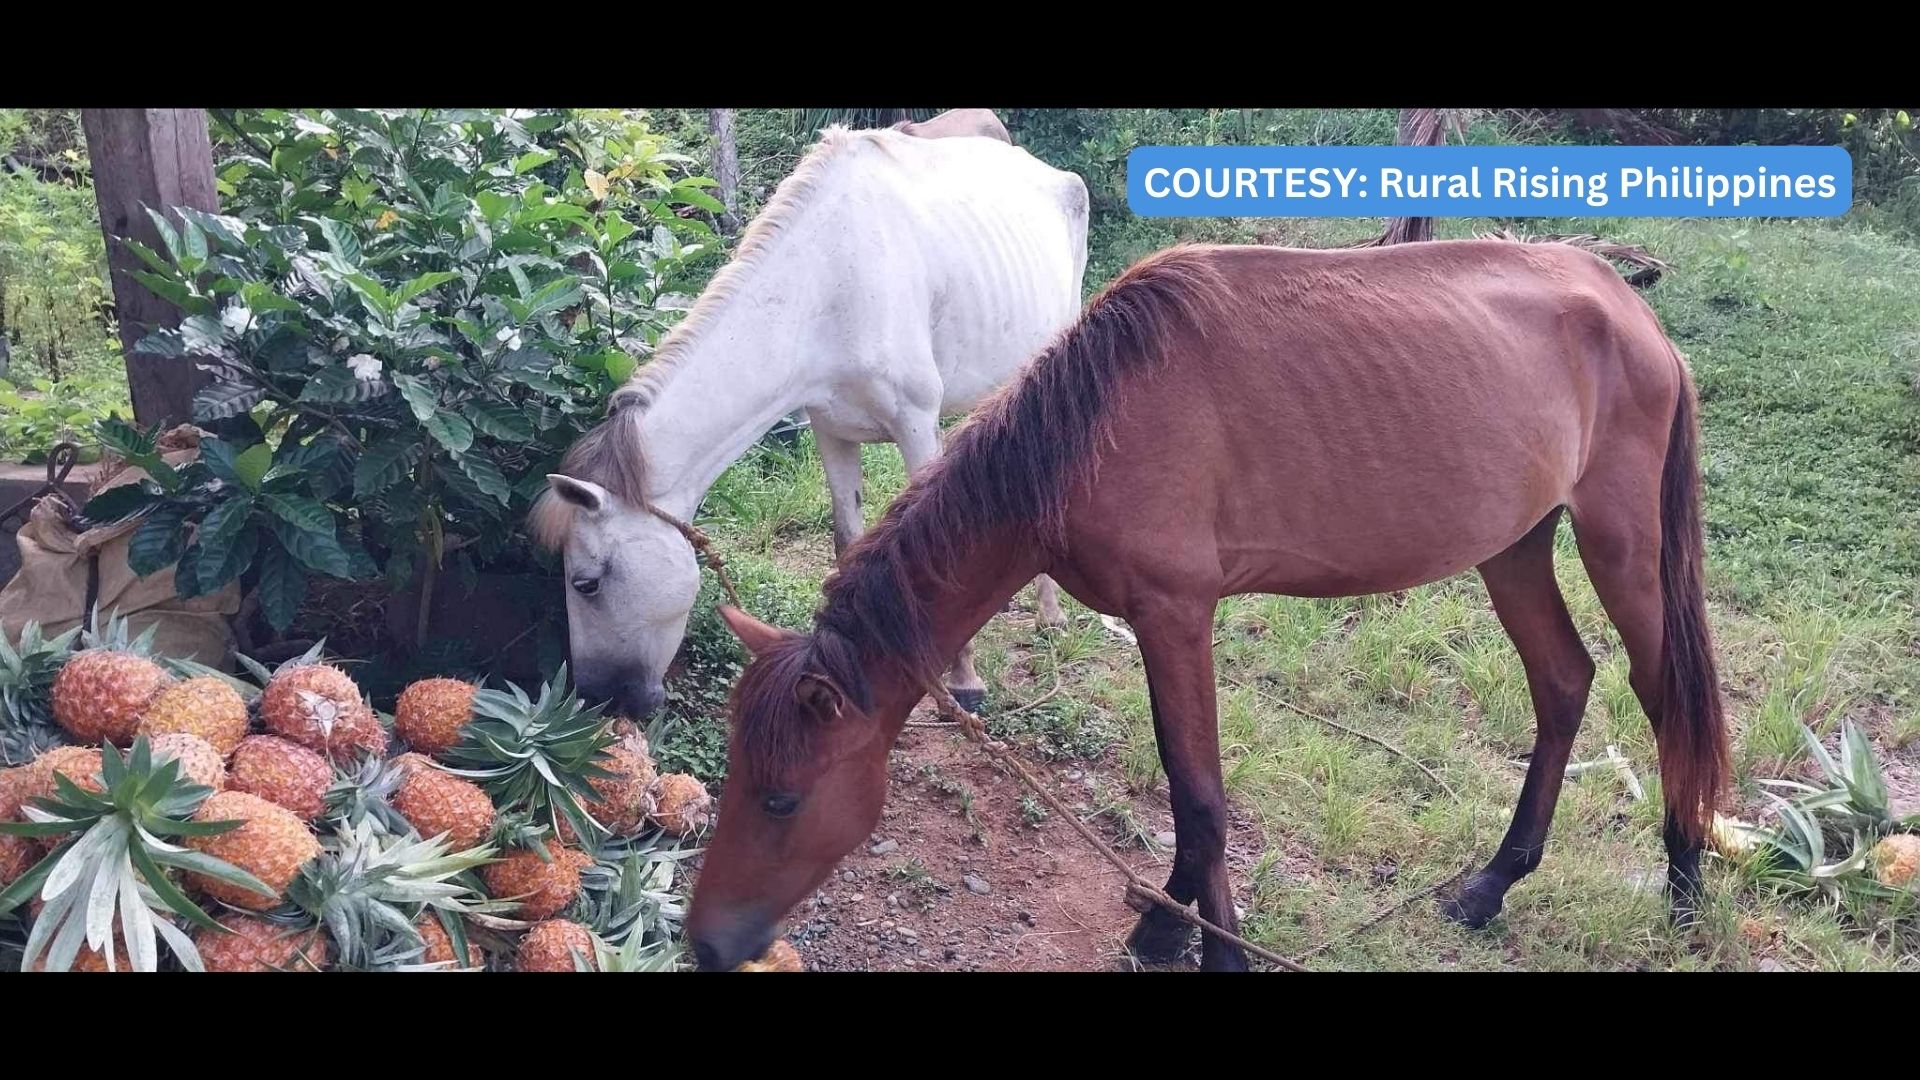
[(958, 878)]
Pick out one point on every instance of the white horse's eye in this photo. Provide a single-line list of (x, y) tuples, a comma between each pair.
[(586, 586)]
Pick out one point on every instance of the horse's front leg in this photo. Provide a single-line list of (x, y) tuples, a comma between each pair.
[(1047, 592), (1176, 641), (841, 460), (919, 442)]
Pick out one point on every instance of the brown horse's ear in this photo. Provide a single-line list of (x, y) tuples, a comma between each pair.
[(818, 695), (757, 636)]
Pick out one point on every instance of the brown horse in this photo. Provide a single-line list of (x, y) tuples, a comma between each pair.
[(1226, 420)]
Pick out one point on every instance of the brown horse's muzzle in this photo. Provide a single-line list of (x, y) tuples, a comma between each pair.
[(729, 943)]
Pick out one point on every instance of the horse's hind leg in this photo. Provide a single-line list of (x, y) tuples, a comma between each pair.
[(1559, 672)]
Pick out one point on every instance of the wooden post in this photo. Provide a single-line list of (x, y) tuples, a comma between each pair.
[(159, 158), (726, 166)]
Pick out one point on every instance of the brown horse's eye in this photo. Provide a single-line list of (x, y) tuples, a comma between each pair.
[(780, 805)]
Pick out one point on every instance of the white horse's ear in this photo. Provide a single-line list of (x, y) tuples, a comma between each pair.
[(584, 494)]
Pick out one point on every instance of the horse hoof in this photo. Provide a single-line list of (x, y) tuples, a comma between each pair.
[(1154, 942), (1474, 908), (974, 701)]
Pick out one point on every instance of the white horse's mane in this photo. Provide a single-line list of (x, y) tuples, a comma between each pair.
[(610, 454), (789, 199)]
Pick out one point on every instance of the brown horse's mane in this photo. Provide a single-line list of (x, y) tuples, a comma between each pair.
[(1015, 464)]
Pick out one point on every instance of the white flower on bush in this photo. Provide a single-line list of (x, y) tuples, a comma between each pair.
[(365, 368), (236, 318), (509, 335)]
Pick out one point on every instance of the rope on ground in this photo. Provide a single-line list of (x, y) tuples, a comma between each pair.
[(1140, 893)]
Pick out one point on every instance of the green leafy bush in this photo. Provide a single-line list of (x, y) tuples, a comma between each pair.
[(408, 317), (60, 367)]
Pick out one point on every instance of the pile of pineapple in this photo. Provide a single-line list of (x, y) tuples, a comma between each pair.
[(283, 824)]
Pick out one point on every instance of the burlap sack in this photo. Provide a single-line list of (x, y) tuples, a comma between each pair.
[(51, 587)]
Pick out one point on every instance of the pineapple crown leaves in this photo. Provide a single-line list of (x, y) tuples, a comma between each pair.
[(117, 635), (628, 892), (538, 755), (368, 888), (632, 955), (361, 792), (259, 672), (113, 860), (26, 682)]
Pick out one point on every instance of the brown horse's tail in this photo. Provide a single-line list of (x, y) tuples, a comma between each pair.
[(1692, 731)]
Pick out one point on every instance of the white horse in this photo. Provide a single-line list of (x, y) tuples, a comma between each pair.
[(890, 281)]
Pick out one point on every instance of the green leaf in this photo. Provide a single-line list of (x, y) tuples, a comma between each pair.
[(499, 420), (219, 456), (262, 298), (531, 160), (168, 235), (173, 292), (118, 504), (220, 400), (374, 293), (450, 430), (700, 199), (620, 366), (486, 477), (156, 544), (422, 283), (340, 239), (252, 465), (420, 396), (283, 585), (382, 466), (222, 562), (317, 551), (224, 522), (301, 512)]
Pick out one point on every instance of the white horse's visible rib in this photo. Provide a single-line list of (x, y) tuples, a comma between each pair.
[(890, 280)]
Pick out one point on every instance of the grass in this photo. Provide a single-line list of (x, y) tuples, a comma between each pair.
[(1802, 343)]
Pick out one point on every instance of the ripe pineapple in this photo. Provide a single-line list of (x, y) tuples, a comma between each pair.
[(205, 706), (555, 945), (434, 802), (282, 772), (780, 956), (319, 707), (540, 887), (681, 804), (624, 796), (431, 713), (1896, 859), (255, 944), (199, 761), (101, 693), (272, 844), (17, 856), (79, 764), (440, 944), (14, 784)]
